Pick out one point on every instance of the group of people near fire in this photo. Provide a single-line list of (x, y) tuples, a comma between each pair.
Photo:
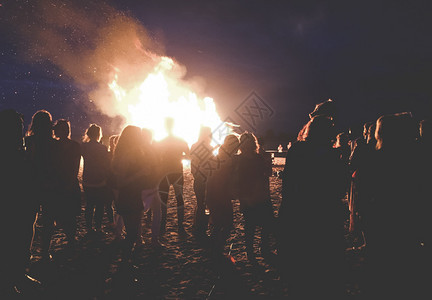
[(384, 174)]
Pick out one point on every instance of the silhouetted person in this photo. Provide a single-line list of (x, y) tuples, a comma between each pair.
[(69, 189), (312, 215), (201, 152), (172, 150), (43, 158), (392, 210), (18, 206), (254, 196), (326, 108), (114, 189), (220, 192), (150, 192), (132, 169), (95, 176), (111, 189)]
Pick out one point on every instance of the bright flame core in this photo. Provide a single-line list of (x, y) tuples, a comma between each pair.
[(162, 95)]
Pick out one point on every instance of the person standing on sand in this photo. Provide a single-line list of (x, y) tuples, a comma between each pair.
[(95, 175), (131, 170), (311, 241), (392, 185), (220, 192), (254, 196), (114, 190), (18, 205), (172, 150), (201, 152), (42, 152), (150, 194), (69, 189)]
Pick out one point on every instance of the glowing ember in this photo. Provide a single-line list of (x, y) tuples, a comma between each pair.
[(162, 95)]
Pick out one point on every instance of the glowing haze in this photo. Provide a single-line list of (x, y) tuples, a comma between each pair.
[(121, 66)]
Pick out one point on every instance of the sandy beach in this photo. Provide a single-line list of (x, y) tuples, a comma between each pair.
[(182, 270)]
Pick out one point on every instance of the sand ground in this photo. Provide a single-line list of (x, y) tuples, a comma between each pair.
[(182, 270)]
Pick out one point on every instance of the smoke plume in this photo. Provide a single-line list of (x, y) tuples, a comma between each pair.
[(90, 42)]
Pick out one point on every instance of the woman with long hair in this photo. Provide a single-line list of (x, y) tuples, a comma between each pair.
[(95, 175), (220, 185), (69, 188), (131, 170), (150, 193), (200, 153), (42, 152), (255, 202), (392, 210), (18, 206), (312, 214)]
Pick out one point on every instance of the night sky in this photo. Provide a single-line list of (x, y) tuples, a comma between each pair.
[(370, 57)]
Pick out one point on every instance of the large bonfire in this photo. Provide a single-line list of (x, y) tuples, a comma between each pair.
[(163, 95)]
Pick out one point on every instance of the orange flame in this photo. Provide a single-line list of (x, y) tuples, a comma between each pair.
[(162, 95)]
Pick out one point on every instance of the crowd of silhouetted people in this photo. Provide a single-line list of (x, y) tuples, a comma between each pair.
[(376, 185)]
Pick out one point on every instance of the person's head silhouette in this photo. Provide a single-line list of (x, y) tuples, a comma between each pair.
[(319, 130), (62, 129), (248, 143), (130, 141), (326, 108), (230, 145), (41, 124), (93, 133)]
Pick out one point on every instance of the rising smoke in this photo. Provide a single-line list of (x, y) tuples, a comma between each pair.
[(90, 41)]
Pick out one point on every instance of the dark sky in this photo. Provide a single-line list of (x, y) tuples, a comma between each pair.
[(370, 57)]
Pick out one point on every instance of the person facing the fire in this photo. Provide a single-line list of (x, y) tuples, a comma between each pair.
[(201, 153), (312, 214), (393, 188), (131, 170), (95, 176), (172, 150), (254, 196), (18, 205), (69, 189), (42, 152), (221, 189)]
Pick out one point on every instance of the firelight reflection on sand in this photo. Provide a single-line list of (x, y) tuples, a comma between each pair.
[(162, 95)]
